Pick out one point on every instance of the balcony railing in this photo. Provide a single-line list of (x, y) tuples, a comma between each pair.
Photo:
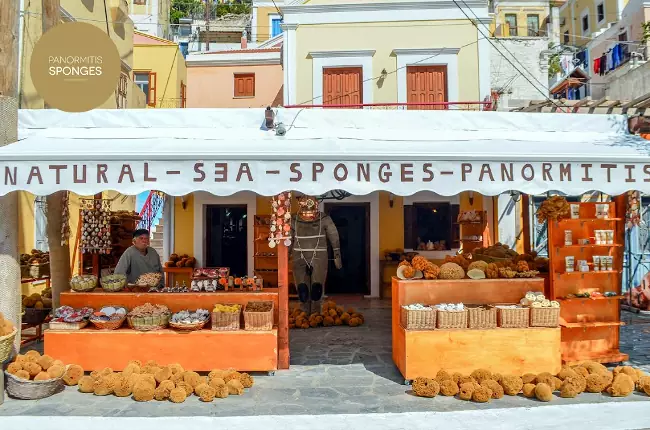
[(467, 106)]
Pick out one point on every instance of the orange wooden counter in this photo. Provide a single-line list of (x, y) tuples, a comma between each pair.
[(424, 352), (203, 350)]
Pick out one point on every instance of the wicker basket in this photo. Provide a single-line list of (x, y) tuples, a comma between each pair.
[(7, 345), (544, 317), (226, 321), (90, 287), (108, 325), (56, 325), (451, 319), (32, 390), (482, 317), (39, 270), (149, 323), (189, 327), (113, 287), (412, 319), (513, 317), (255, 321), (35, 316)]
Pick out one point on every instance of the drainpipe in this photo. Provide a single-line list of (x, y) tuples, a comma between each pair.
[(21, 31)]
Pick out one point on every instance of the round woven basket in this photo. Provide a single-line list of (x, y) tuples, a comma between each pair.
[(32, 390), (6, 345), (189, 327), (149, 323), (113, 287), (78, 288)]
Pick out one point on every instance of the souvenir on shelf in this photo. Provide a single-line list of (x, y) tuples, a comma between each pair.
[(96, 226), (180, 261), (470, 217), (280, 220)]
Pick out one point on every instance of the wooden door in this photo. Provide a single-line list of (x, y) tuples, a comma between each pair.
[(426, 84), (342, 86)]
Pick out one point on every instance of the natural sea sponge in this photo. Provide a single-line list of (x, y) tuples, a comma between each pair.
[(217, 382), (35, 354), (642, 382), (629, 371), (20, 358), (231, 375), (456, 377), (495, 388), (152, 363), (543, 392), (147, 378), (199, 388), (622, 386), (425, 387), (133, 379), (136, 362), (529, 378), (466, 379), (33, 369), (596, 383), (582, 371), (568, 390), (221, 391), (578, 382), (466, 391), (558, 383), (56, 371), (528, 390), (566, 372), (442, 375), (122, 386), (73, 374), (246, 380), (216, 373), (22, 374), (86, 384), (594, 367), (235, 387), (192, 378), (164, 390), (448, 388), (178, 377), (143, 392), (481, 375), (43, 376), (185, 386), (14, 367), (45, 361), (482, 394), (497, 377), (176, 368), (207, 394), (103, 386), (511, 384), (545, 378), (131, 369), (178, 395), (163, 374)]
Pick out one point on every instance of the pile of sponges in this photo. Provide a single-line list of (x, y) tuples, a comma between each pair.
[(331, 315)]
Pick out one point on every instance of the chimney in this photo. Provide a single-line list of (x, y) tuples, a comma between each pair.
[(244, 39)]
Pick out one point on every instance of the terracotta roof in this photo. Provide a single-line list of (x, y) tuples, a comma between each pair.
[(140, 38)]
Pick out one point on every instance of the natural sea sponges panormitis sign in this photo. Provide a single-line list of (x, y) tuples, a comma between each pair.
[(75, 67)]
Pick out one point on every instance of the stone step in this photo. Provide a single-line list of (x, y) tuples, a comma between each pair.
[(157, 235)]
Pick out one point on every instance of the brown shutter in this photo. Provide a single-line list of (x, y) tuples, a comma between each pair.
[(426, 84), (152, 96), (244, 85), (342, 86)]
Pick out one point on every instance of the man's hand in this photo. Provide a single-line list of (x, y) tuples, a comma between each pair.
[(338, 263)]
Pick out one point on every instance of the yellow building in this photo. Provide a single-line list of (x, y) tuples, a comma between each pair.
[(159, 70), (580, 20), (151, 17), (520, 18), (111, 16), (266, 20)]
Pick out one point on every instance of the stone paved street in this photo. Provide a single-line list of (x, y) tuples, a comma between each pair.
[(337, 370)]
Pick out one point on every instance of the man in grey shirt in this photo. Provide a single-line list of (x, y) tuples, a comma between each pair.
[(139, 258)]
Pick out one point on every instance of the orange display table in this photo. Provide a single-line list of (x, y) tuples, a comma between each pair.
[(200, 351), (203, 350), (504, 350)]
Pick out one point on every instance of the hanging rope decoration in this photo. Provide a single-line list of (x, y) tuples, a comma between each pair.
[(280, 220), (65, 220)]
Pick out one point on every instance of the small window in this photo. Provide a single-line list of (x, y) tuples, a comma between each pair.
[(147, 83), (585, 23), (532, 22), (121, 95), (566, 37), (431, 222), (244, 85), (511, 23), (622, 37), (600, 10), (275, 26)]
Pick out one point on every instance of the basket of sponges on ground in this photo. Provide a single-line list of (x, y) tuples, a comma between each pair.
[(226, 317), (258, 315), (26, 389), (513, 316), (418, 317), (451, 317), (7, 335), (482, 316)]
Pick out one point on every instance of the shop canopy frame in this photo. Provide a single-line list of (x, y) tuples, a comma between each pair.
[(224, 151)]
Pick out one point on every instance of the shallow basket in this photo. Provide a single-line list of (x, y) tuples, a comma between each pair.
[(113, 287), (544, 317), (189, 327), (226, 321), (149, 323), (56, 325), (109, 325), (482, 317), (6, 345), (78, 288), (35, 316), (32, 390), (513, 317), (254, 321), (451, 319), (418, 319)]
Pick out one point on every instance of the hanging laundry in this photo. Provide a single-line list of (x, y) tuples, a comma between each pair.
[(603, 64), (597, 65), (610, 60), (615, 57)]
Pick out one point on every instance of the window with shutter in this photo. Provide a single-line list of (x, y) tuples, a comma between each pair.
[(244, 85), (426, 84), (342, 86)]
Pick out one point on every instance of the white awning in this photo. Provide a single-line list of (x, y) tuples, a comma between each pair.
[(224, 151)]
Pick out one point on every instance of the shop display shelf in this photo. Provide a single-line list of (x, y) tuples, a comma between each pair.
[(607, 357), (572, 299), (592, 324)]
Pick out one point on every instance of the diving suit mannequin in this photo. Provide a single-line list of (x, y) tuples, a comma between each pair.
[(311, 232)]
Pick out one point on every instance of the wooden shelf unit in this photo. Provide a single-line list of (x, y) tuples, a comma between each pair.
[(590, 326), (476, 228), (266, 258)]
